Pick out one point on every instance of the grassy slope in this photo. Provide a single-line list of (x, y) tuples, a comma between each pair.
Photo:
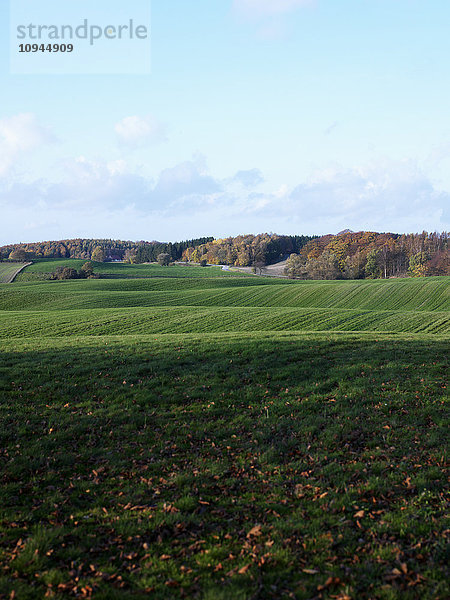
[(213, 304), (258, 464), (122, 271), (415, 294), (173, 319), (7, 271)]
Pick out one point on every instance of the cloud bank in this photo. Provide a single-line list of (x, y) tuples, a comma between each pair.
[(109, 199), (98, 198)]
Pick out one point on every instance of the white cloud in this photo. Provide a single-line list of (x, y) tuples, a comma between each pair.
[(21, 134), (388, 195), (107, 185), (249, 178), (265, 8), (137, 131), (187, 180)]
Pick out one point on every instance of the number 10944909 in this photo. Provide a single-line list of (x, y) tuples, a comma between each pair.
[(45, 47)]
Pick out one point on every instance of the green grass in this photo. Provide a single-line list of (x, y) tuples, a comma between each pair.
[(7, 270), (404, 295), (206, 437), (183, 319), (123, 271)]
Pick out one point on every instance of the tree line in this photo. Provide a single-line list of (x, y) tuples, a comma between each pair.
[(99, 250), (347, 255), (371, 255), (243, 250), (247, 250)]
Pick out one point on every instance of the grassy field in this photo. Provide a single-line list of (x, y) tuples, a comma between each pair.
[(198, 434), (123, 271), (402, 295), (8, 270)]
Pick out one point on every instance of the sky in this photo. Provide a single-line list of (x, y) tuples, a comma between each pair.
[(285, 116)]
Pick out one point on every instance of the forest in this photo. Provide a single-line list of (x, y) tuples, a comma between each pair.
[(370, 255), (240, 251), (347, 255), (106, 249)]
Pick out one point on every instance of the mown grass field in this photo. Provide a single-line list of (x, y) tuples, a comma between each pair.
[(198, 434)]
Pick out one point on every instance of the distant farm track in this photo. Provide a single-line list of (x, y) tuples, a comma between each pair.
[(8, 271)]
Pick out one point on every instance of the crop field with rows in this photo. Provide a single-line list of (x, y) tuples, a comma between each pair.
[(432, 294), (187, 432)]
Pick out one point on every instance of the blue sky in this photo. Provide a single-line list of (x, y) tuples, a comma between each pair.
[(291, 116)]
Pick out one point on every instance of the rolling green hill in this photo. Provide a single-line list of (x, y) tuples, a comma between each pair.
[(400, 295), (123, 271), (168, 300), (183, 319)]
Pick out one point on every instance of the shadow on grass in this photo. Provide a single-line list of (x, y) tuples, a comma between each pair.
[(261, 466)]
